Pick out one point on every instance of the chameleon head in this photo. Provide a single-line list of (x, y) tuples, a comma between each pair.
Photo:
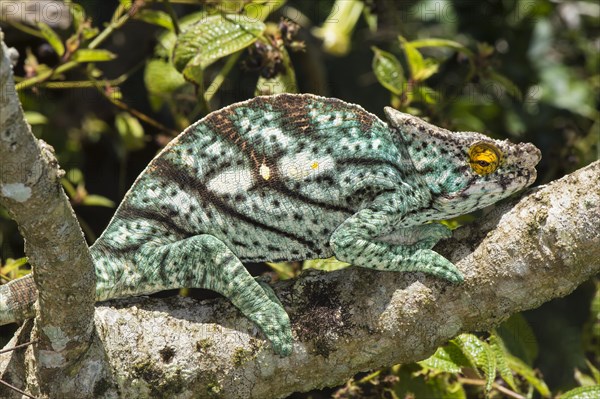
[(464, 170)]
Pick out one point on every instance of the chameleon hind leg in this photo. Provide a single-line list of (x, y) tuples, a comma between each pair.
[(361, 241), (204, 261)]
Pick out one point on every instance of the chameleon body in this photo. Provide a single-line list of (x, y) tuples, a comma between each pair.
[(294, 177)]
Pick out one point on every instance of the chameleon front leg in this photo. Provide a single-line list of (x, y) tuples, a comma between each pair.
[(361, 241), (204, 261)]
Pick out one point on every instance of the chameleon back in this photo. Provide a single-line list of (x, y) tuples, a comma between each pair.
[(271, 177)]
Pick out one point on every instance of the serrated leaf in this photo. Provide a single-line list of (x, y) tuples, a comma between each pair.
[(521, 368), (592, 392), (388, 70), (35, 118), (97, 200), (52, 38), (415, 60), (131, 131), (480, 354), (518, 338), (212, 38), (500, 352), (92, 55), (448, 358), (283, 82), (411, 386), (156, 17)]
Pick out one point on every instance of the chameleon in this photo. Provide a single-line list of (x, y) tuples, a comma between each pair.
[(291, 177)]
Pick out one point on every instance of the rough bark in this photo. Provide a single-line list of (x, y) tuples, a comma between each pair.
[(31, 192), (518, 256)]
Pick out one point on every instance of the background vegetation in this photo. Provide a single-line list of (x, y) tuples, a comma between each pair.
[(109, 83)]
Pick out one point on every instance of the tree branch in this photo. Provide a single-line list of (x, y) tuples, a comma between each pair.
[(30, 191)]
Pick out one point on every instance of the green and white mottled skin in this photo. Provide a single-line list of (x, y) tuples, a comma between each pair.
[(294, 177)]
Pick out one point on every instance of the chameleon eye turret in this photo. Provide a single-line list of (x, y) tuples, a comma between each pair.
[(484, 158)]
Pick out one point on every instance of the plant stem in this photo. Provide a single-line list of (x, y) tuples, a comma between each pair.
[(117, 23), (504, 390)]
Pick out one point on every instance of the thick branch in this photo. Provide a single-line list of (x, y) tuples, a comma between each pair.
[(352, 320), (30, 190)]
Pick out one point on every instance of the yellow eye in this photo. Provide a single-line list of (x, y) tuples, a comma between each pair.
[(484, 158)]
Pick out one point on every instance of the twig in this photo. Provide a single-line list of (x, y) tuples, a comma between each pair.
[(18, 346), (504, 390), (14, 388)]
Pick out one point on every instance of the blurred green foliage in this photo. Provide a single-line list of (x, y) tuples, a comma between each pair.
[(119, 79)]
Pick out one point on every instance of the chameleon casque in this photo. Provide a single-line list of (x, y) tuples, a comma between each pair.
[(294, 177)]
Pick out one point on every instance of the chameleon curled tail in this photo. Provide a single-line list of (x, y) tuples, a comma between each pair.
[(293, 177), (16, 300)]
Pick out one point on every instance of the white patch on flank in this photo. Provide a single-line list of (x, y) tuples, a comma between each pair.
[(152, 194), (376, 144), (303, 164), (182, 201), (280, 137), (231, 181), (16, 191), (337, 121), (188, 160), (244, 123)]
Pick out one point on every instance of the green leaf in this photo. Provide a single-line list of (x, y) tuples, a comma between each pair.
[(519, 367), (13, 264), (156, 17), (500, 352), (448, 358), (53, 39), (594, 370), (131, 131), (518, 338), (480, 354), (506, 84), (414, 58), (35, 118), (92, 55), (328, 264), (411, 386), (97, 200), (283, 82), (78, 14), (388, 70), (212, 38), (161, 78), (284, 270), (442, 43), (592, 392)]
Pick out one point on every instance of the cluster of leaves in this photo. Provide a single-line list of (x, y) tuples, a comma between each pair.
[(471, 365)]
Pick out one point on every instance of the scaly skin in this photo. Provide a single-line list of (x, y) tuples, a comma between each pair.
[(294, 177)]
